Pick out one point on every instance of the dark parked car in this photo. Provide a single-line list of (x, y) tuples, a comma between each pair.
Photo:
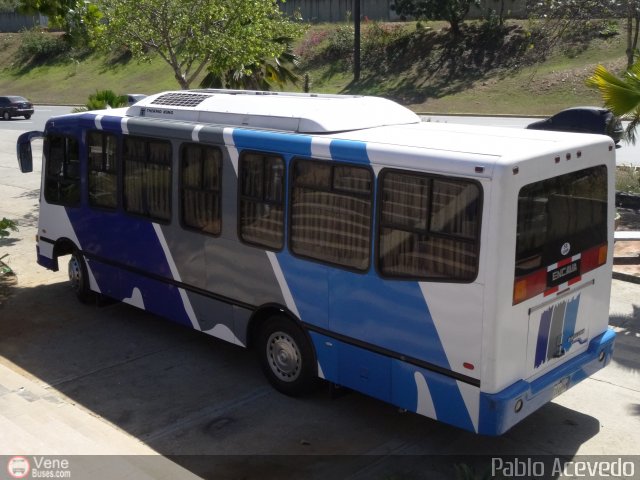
[(12, 106), (583, 120), (133, 98)]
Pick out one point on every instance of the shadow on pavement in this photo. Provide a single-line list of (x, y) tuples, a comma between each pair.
[(205, 403)]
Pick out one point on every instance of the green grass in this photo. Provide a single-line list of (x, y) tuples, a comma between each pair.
[(72, 82)]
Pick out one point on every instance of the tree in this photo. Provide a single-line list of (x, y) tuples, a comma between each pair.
[(633, 28), (77, 18), (8, 6), (218, 35), (356, 40), (559, 19), (620, 94), (501, 13), (453, 11)]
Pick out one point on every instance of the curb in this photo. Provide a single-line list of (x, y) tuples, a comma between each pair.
[(625, 277)]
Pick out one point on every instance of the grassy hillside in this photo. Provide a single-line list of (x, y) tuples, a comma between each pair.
[(69, 80), (509, 71), (506, 71)]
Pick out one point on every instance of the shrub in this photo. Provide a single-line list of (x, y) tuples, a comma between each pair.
[(103, 99), (6, 225), (309, 45), (376, 39), (340, 43), (38, 46), (628, 179)]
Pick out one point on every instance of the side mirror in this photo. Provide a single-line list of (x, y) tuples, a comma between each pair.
[(25, 156)]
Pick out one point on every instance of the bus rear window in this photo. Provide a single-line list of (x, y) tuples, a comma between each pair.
[(561, 217)]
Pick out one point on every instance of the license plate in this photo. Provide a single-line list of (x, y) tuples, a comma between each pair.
[(560, 387)]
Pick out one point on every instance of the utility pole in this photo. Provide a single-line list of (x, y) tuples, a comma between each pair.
[(356, 40)]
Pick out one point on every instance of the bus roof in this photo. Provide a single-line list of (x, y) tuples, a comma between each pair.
[(504, 142), (292, 112), (393, 135)]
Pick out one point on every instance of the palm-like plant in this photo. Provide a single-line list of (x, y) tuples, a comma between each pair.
[(103, 99), (620, 94), (264, 75)]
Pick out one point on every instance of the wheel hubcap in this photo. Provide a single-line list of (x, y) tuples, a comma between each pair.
[(284, 356), (75, 274)]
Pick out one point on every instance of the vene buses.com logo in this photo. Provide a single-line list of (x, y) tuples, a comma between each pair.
[(18, 467)]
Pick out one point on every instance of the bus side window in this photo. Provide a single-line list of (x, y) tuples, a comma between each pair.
[(147, 177), (261, 212), (103, 170), (429, 227), (62, 179), (331, 213), (200, 171)]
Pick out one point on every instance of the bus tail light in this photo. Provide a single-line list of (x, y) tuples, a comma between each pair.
[(529, 286), (535, 283), (594, 258)]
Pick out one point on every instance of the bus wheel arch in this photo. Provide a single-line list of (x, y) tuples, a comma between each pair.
[(62, 247), (285, 351)]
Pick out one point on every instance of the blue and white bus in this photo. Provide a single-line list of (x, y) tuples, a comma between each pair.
[(462, 273)]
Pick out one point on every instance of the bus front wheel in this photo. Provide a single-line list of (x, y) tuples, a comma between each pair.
[(79, 277), (286, 357)]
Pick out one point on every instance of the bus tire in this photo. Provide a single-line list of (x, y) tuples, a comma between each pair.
[(287, 357), (79, 277)]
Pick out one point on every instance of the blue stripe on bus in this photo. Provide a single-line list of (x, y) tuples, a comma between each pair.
[(349, 151), (543, 338), (391, 380), (357, 300), (570, 319), (102, 235), (272, 142), (354, 299), (448, 401), (555, 331)]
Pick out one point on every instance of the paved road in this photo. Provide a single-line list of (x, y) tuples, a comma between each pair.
[(41, 114), (80, 379)]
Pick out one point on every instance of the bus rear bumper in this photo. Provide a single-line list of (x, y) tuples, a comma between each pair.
[(501, 411)]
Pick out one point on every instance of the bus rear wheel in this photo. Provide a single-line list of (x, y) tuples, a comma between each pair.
[(286, 357), (79, 277)]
